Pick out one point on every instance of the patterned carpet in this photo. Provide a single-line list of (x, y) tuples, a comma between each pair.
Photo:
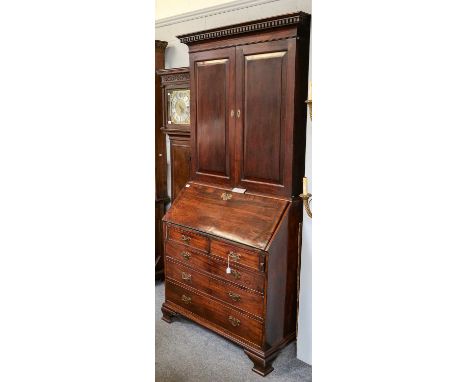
[(185, 352)]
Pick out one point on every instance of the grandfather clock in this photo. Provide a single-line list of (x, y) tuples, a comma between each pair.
[(161, 177), (175, 92)]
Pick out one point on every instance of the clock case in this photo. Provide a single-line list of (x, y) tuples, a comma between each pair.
[(173, 79), (178, 134)]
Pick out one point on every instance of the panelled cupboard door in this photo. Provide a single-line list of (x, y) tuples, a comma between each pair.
[(212, 115), (265, 100)]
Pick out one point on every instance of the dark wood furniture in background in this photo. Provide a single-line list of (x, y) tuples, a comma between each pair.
[(161, 163), (178, 133), (231, 256)]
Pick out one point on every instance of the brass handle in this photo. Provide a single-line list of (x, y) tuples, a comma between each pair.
[(238, 113), (232, 113), (186, 276), (306, 198), (234, 321), (186, 255), (234, 297), (226, 196), (233, 256), (186, 239), (236, 274), (186, 299)]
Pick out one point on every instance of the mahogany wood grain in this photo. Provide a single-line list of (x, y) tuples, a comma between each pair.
[(187, 255), (188, 238), (248, 85), (180, 163), (230, 319), (212, 96), (244, 218), (160, 164), (250, 259), (252, 280), (179, 134), (240, 298)]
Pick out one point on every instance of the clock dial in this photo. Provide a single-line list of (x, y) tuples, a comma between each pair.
[(179, 107)]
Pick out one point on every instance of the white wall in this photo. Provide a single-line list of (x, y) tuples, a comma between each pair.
[(177, 55), (304, 339)]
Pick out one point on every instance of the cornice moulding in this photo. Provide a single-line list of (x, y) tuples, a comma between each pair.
[(247, 27)]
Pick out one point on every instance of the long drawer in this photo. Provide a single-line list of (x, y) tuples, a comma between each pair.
[(227, 318), (240, 298)]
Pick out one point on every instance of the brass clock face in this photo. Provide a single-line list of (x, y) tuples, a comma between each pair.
[(179, 107)]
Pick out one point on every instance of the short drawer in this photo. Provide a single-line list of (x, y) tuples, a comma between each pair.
[(249, 302), (187, 255), (239, 255), (188, 237), (242, 277), (229, 319)]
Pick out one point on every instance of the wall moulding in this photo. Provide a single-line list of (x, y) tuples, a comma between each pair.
[(211, 11)]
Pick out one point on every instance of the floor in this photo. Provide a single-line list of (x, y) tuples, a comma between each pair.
[(186, 352)]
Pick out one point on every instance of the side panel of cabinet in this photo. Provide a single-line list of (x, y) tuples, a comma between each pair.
[(180, 163), (212, 99), (265, 98)]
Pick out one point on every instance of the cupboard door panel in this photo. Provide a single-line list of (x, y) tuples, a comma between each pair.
[(263, 77), (213, 86), (180, 163)]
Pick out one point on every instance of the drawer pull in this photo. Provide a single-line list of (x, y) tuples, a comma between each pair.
[(186, 299), (233, 256), (234, 321), (187, 276), (234, 297), (186, 255), (236, 274), (226, 196), (186, 239)]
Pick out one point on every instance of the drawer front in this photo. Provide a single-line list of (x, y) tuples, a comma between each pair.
[(189, 256), (187, 276), (238, 255), (249, 302), (188, 238), (219, 314), (238, 275)]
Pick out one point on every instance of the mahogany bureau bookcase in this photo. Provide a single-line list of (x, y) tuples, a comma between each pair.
[(231, 238)]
